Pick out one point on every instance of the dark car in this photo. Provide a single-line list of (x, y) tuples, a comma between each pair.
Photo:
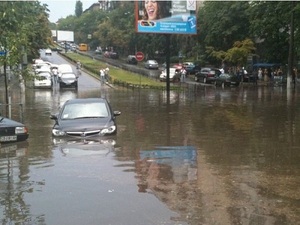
[(12, 131), (112, 55), (225, 79), (85, 118), (207, 75), (131, 59), (192, 69), (68, 80), (151, 64)]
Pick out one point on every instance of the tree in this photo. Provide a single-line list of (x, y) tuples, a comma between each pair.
[(235, 56), (23, 31), (223, 23), (270, 26), (78, 8)]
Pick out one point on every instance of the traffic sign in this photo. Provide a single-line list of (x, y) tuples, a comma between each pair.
[(139, 56), (2, 53)]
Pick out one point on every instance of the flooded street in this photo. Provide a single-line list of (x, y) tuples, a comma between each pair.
[(210, 156)]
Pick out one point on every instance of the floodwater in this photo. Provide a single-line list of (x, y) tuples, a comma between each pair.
[(205, 156)]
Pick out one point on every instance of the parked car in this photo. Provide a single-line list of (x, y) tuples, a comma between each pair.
[(12, 131), (68, 79), (192, 69), (225, 79), (41, 65), (48, 52), (174, 75), (56, 49), (112, 55), (43, 68), (85, 118), (188, 64), (131, 59), (207, 75), (42, 80), (151, 64)]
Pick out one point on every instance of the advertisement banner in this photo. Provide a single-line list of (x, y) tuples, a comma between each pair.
[(166, 17)]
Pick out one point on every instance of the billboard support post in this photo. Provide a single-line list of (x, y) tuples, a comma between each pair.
[(168, 64)]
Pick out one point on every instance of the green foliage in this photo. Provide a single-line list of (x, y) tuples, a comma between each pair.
[(117, 75), (270, 25), (78, 8), (237, 55), (23, 25)]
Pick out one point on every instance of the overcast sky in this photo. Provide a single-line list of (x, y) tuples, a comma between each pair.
[(63, 8)]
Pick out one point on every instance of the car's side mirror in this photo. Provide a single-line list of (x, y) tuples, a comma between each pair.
[(117, 113), (53, 116)]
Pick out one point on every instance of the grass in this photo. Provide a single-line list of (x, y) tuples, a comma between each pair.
[(118, 76)]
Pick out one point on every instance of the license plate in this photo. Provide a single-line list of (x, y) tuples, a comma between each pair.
[(8, 138)]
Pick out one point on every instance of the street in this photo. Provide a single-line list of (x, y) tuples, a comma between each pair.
[(211, 156)]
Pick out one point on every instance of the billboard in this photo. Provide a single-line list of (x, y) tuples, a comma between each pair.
[(63, 35), (166, 17)]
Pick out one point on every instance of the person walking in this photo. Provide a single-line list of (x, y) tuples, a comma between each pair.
[(183, 75), (102, 75)]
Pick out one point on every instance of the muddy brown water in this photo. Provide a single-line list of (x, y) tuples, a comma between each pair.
[(205, 156)]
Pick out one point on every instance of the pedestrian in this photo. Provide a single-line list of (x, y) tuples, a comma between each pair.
[(78, 65), (102, 75), (182, 75), (260, 73), (106, 73)]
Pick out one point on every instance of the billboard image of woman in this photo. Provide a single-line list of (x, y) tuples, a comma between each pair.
[(173, 16)]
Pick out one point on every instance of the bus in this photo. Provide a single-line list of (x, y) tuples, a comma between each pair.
[(83, 47)]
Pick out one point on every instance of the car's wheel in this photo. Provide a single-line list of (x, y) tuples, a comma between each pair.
[(204, 80)]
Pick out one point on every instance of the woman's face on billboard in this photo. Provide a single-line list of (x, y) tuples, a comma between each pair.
[(151, 9)]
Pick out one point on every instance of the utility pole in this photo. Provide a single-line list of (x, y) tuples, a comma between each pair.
[(291, 49)]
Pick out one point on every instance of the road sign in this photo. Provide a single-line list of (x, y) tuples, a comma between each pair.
[(139, 56), (2, 53)]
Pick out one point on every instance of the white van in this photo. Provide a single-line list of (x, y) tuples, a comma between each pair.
[(64, 68)]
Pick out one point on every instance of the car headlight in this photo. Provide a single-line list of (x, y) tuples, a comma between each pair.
[(21, 130), (57, 132), (108, 130)]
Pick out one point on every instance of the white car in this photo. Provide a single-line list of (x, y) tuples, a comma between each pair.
[(68, 79), (40, 64), (48, 52), (42, 80), (64, 68), (174, 75)]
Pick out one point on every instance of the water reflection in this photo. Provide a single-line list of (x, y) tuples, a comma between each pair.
[(82, 147), (172, 164), (211, 156)]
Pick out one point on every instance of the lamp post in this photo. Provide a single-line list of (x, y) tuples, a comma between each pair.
[(291, 49)]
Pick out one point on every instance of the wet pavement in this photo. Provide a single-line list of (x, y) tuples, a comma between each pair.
[(205, 156)]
